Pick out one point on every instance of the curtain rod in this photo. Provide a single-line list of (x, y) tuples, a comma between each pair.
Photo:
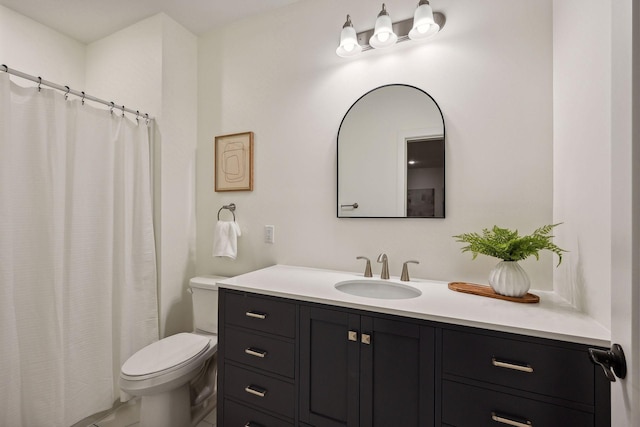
[(68, 90)]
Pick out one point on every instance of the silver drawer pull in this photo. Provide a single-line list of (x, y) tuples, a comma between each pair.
[(251, 389), (507, 365), (508, 421), (255, 352), (255, 315), (252, 424)]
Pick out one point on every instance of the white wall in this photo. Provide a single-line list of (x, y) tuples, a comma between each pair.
[(30, 47), (152, 65), (582, 152), (491, 73), (625, 206), (178, 128), (277, 75), (126, 67)]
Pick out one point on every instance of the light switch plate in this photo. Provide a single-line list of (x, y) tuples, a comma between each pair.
[(269, 232)]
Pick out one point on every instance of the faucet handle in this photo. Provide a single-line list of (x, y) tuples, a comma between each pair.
[(405, 270), (367, 269)]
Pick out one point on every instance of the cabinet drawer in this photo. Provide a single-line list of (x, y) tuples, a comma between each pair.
[(262, 352), (261, 314), (469, 406), (239, 415), (545, 369), (260, 390)]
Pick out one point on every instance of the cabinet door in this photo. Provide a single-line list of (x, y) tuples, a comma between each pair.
[(397, 373), (329, 367)]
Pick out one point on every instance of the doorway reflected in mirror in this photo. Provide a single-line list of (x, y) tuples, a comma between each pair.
[(425, 178)]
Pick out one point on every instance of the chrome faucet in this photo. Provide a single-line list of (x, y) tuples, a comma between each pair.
[(384, 274)]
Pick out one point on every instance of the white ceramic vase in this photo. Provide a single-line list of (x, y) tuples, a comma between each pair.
[(509, 279)]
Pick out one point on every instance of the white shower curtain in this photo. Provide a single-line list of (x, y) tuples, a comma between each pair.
[(77, 256)]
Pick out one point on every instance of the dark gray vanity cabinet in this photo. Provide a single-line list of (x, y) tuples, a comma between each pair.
[(257, 360), (365, 370), (493, 378), (288, 363)]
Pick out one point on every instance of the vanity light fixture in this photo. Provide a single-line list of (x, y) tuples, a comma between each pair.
[(424, 24)]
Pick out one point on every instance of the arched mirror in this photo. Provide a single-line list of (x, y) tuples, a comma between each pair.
[(391, 156)]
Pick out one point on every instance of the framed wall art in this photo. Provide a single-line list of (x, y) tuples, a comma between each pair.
[(233, 159)]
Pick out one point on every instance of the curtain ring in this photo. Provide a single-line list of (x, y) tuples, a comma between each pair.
[(6, 69), (112, 107), (123, 111), (39, 83), (138, 116), (146, 120), (83, 97), (66, 95)]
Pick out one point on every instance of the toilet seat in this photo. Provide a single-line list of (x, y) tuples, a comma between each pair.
[(166, 355), (166, 364)]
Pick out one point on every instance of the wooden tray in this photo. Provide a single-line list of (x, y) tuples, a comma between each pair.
[(486, 291)]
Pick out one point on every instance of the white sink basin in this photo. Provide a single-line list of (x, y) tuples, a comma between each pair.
[(381, 289)]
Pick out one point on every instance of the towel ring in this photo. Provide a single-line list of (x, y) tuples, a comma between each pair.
[(231, 207)]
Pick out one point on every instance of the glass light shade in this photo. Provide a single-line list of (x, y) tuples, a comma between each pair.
[(348, 43), (424, 26), (383, 35)]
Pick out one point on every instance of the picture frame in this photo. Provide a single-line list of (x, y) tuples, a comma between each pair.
[(233, 162)]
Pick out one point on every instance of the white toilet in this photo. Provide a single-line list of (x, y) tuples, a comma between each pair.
[(175, 376)]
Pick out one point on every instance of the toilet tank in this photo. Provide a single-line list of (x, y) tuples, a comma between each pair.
[(204, 293)]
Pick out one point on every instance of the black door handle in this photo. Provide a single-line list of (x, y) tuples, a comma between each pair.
[(612, 362)]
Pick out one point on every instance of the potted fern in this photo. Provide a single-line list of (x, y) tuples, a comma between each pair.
[(508, 277)]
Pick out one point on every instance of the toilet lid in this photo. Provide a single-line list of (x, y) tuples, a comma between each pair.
[(165, 354)]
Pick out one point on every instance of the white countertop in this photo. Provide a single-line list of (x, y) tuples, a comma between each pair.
[(553, 317)]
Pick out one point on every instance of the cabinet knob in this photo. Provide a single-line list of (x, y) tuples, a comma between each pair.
[(366, 339), (352, 335), (612, 362)]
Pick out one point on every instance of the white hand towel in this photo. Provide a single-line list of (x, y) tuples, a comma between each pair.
[(225, 239)]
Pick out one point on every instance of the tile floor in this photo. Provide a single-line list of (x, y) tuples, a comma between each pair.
[(128, 415)]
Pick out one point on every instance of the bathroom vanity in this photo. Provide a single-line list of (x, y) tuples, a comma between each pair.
[(296, 351)]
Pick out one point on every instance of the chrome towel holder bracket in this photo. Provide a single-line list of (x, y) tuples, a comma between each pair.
[(230, 207)]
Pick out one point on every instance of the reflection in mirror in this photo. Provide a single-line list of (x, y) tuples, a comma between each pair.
[(391, 156)]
